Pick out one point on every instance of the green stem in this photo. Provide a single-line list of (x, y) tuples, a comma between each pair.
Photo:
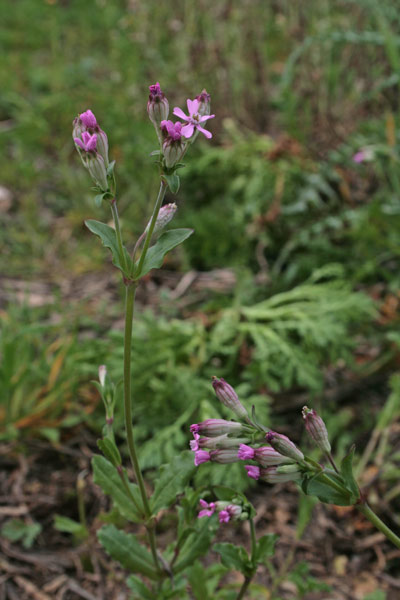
[(248, 578), (160, 198), (336, 486), (380, 525), (114, 211), (129, 307)]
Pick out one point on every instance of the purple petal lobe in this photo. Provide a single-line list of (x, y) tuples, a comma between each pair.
[(178, 112), (187, 130), (208, 134)]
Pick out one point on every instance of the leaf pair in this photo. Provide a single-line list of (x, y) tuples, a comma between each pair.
[(154, 257)]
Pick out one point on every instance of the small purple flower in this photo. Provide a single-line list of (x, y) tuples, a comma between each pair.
[(224, 516), (88, 119), (245, 452), (87, 143), (201, 456), (283, 445), (194, 444), (172, 130), (252, 471), (208, 509), (194, 119), (216, 427)]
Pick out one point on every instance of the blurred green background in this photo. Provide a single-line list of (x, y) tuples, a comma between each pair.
[(299, 241)]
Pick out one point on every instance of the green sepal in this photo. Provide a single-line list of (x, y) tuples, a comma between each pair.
[(110, 451), (166, 242), (98, 200), (346, 471), (234, 557), (125, 548), (110, 169), (109, 238), (173, 477), (173, 182), (107, 477), (155, 153)]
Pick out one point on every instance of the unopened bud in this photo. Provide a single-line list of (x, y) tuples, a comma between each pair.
[(204, 103), (217, 427), (157, 105), (166, 214), (265, 456), (172, 151), (316, 429), (224, 456), (102, 145), (102, 375), (284, 445), (98, 171), (276, 475), (229, 398), (214, 443)]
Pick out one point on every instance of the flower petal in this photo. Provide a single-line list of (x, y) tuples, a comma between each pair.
[(79, 143), (91, 144), (195, 106), (178, 112), (208, 134), (189, 106), (187, 130), (206, 117)]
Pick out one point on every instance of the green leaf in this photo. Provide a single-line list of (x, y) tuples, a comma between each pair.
[(109, 238), (233, 557), (265, 547), (98, 199), (139, 588), (173, 182), (110, 451), (70, 526), (172, 480), (346, 471), (196, 544), (107, 477), (16, 529), (166, 242), (325, 493), (125, 548)]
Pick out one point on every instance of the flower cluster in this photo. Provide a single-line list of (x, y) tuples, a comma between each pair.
[(226, 510), (224, 442), (92, 144), (175, 137)]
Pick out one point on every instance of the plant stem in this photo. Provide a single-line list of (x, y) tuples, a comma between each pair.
[(129, 307), (380, 525), (160, 198), (114, 211), (249, 577), (331, 460)]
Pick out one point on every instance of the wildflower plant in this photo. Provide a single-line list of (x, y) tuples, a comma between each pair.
[(174, 571)]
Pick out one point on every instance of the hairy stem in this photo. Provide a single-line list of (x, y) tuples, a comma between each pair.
[(129, 307), (114, 211), (160, 198), (380, 525)]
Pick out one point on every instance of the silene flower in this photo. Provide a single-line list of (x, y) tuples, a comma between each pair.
[(194, 119)]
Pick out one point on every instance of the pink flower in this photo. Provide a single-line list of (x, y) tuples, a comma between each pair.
[(88, 119), (201, 456), (88, 142), (253, 472), (245, 452), (194, 444), (194, 119), (172, 130), (224, 516), (208, 509)]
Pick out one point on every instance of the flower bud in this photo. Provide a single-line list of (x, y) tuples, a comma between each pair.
[(88, 120), (284, 446), (97, 170), (275, 475), (214, 443), (102, 375), (217, 427), (229, 398), (228, 511), (253, 472), (102, 145), (166, 214), (208, 509), (224, 456), (204, 103), (316, 429), (157, 105), (201, 456)]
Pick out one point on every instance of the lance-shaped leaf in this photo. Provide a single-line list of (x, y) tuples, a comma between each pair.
[(109, 238), (125, 548), (166, 242), (265, 547), (324, 492), (110, 451), (172, 481), (107, 477)]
